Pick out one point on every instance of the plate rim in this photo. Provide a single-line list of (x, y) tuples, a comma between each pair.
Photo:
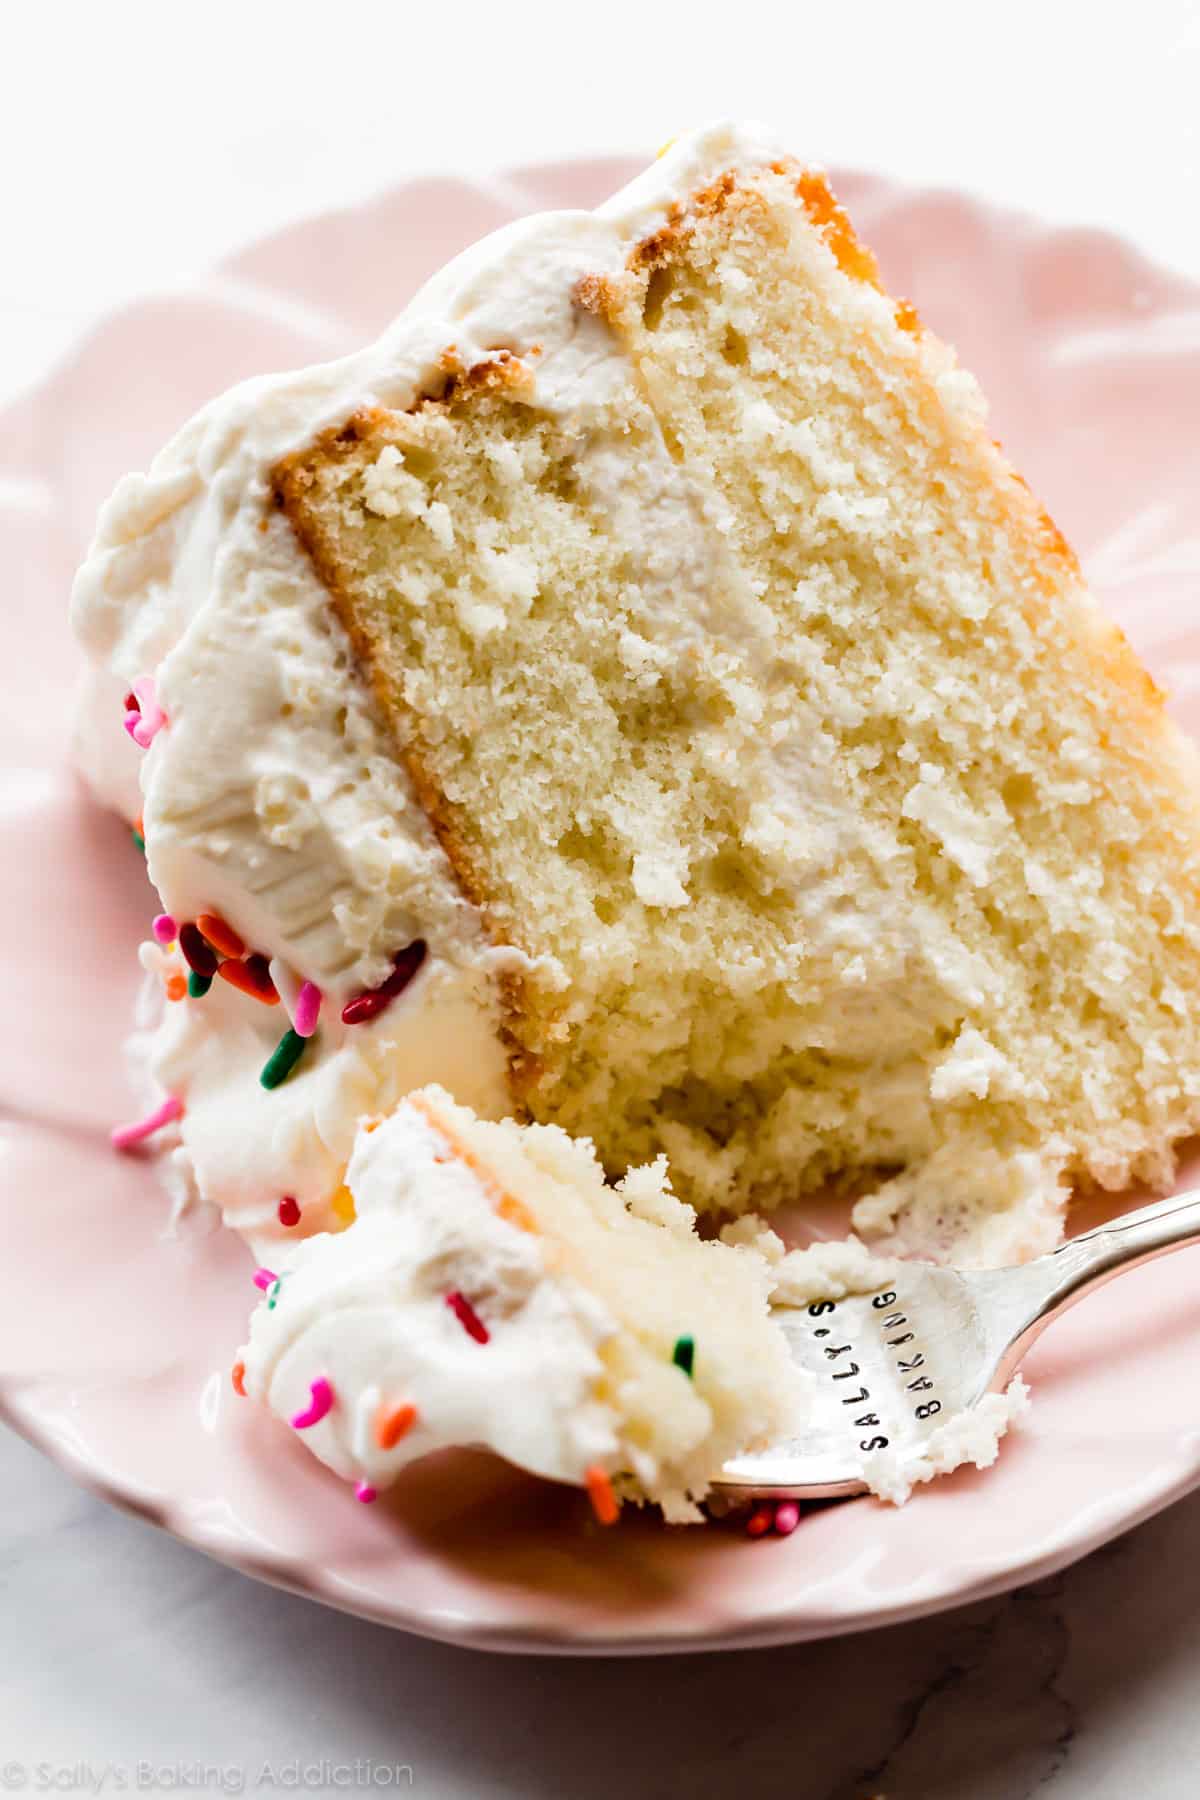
[(1175, 1476)]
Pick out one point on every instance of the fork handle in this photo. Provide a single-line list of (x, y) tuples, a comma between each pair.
[(1133, 1238), (1055, 1282)]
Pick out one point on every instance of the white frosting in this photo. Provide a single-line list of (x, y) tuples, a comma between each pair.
[(366, 1310), (272, 796)]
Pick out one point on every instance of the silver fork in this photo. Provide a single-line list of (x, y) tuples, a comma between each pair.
[(894, 1365)]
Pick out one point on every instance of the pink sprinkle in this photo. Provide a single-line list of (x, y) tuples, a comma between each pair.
[(760, 1521), (467, 1317), (125, 1136), (366, 1493), (787, 1517), (264, 1278), (318, 1406), (146, 719), (165, 929), (307, 1010)]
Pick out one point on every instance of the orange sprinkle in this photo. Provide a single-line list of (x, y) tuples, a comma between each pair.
[(391, 1426), (250, 977), (221, 936), (238, 1377), (605, 1504), (176, 986)]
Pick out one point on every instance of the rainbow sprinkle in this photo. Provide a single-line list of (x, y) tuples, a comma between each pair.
[(287, 984), (684, 1355), (125, 1136), (781, 1517), (342, 1206), (165, 929), (199, 956), (605, 1504), (307, 1010), (467, 1317), (319, 1404), (366, 1493), (144, 717), (265, 1278), (289, 1211), (369, 1005), (391, 1425), (221, 936), (283, 1059), (250, 977), (787, 1517)]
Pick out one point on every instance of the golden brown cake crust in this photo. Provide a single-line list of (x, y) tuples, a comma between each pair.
[(292, 479)]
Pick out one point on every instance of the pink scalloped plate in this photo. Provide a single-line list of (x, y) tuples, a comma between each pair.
[(116, 1336)]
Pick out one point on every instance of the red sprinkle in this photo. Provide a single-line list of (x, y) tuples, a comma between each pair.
[(251, 977), (238, 1377), (289, 1211), (760, 1521), (221, 936), (370, 1005), (196, 953), (467, 1317)]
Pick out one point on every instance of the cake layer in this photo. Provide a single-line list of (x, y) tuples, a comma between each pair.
[(753, 689)]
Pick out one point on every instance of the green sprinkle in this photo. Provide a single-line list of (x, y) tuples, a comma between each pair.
[(684, 1354), (283, 1059), (139, 840), (274, 1296), (198, 985)]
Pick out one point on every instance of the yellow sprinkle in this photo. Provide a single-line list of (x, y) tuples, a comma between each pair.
[(342, 1206), (663, 151)]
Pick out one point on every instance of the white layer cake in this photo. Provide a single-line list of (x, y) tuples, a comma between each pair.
[(649, 630)]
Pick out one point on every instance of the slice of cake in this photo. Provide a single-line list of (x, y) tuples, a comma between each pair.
[(493, 1290), (638, 694)]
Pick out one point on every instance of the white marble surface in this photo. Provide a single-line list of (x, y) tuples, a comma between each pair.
[(139, 143)]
